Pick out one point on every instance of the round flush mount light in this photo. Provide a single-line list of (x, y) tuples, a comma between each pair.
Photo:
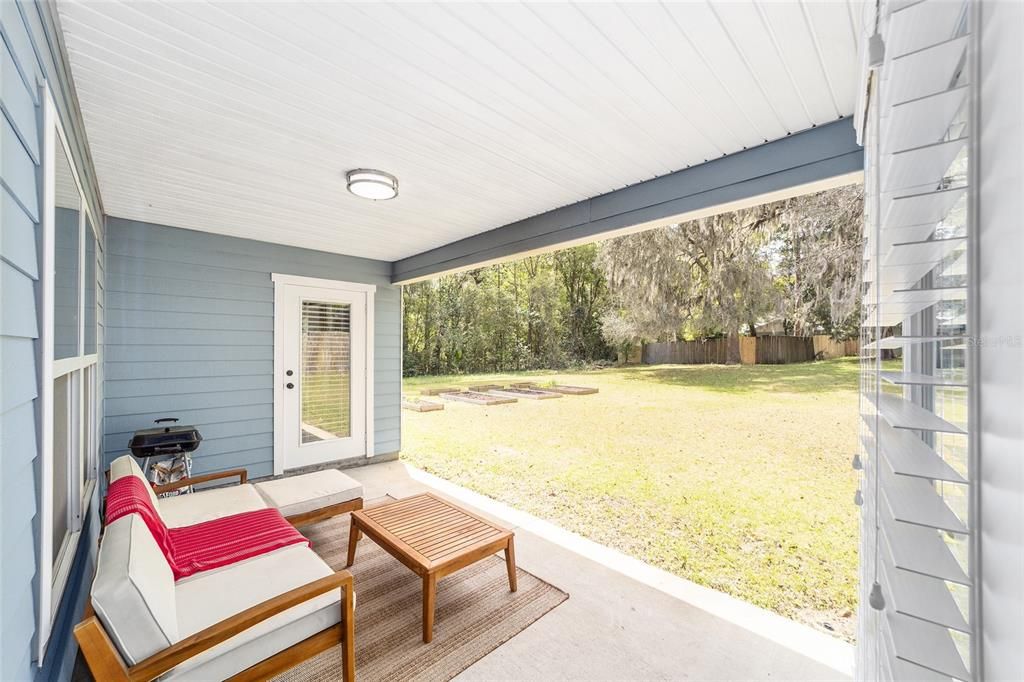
[(372, 184)]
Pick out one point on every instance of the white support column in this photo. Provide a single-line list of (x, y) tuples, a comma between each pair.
[(1000, 336)]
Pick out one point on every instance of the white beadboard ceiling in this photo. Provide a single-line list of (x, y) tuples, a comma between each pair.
[(242, 118)]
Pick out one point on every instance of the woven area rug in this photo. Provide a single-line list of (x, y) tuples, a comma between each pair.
[(475, 614)]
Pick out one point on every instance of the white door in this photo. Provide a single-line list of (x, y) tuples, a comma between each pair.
[(321, 371)]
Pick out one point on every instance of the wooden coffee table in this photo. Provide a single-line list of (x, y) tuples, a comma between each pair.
[(433, 538)]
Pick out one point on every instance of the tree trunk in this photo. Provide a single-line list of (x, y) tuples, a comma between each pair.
[(732, 353), (753, 329)]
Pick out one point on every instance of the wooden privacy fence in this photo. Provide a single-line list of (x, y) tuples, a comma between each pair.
[(707, 352), (761, 350), (783, 350), (830, 348)]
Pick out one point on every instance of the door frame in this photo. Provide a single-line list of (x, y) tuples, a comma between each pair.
[(279, 331)]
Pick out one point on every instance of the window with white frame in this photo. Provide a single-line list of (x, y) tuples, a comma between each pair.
[(70, 433)]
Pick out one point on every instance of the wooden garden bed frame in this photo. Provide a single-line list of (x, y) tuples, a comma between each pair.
[(420, 405), (439, 391), (475, 398), (571, 390), (484, 388), (527, 393)]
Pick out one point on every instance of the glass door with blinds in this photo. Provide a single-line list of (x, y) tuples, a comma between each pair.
[(918, 614), (322, 363)]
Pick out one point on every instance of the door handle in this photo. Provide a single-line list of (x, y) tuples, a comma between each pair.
[(289, 385)]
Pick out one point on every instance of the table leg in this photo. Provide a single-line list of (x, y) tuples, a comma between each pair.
[(353, 538), (429, 592), (510, 564)]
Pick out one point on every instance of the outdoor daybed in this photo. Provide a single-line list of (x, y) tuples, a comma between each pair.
[(246, 620)]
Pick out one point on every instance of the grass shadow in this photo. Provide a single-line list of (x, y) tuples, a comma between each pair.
[(805, 377)]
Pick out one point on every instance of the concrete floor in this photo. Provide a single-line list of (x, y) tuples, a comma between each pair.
[(625, 619)]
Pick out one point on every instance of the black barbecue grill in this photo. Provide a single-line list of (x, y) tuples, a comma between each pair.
[(165, 440), (169, 443)]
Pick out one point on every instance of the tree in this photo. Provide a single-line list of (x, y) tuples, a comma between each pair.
[(820, 241), (538, 312), (622, 331), (798, 258), (707, 276), (585, 298)]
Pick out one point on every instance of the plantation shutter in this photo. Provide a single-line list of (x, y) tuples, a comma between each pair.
[(917, 492)]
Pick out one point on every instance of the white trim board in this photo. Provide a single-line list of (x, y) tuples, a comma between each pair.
[(44, 619), (298, 280), (279, 333)]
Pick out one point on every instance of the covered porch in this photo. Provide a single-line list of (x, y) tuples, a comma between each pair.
[(185, 183), (209, 211)]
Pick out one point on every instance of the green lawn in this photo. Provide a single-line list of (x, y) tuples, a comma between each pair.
[(737, 478), (326, 403)]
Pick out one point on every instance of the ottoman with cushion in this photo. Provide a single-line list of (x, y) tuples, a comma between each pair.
[(312, 497)]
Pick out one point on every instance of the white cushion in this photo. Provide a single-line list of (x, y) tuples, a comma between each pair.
[(125, 465), (133, 592), (206, 505), (300, 494), (212, 596)]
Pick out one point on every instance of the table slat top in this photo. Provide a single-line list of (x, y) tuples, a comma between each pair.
[(433, 528)]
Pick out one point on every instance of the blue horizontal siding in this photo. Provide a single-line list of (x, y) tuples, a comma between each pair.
[(170, 404), (19, 212), (142, 388), (138, 302), (18, 381), (218, 251), (168, 352), (18, 170), (28, 56), (159, 336), (187, 320), (17, 303), (17, 500), (18, 236), (206, 419), (16, 35), (17, 443), (190, 333), (18, 103), (187, 369)]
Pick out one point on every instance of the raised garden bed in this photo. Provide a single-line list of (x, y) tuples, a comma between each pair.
[(477, 398), (419, 405), (524, 384), (439, 391), (528, 393), (571, 390), (483, 388)]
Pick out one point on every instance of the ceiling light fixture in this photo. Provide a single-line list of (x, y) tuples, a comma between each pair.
[(372, 184)]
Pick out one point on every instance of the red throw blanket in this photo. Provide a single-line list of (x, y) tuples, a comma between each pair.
[(128, 495), (203, 546)]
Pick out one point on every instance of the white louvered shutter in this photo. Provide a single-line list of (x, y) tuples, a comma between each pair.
[(917, 486)]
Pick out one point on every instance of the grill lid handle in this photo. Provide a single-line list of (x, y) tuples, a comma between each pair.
[(162, 420)]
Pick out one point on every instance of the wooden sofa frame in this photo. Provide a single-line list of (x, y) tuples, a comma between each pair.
[(106, 663)]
